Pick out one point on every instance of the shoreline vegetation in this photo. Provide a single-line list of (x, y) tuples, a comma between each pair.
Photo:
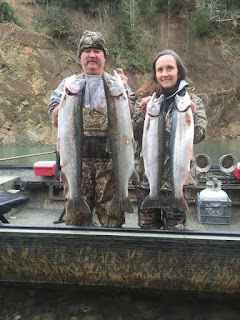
[(40, 38)]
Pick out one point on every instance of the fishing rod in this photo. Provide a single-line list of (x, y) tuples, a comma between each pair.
[(28, 155)]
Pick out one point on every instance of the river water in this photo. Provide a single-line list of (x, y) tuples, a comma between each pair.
[(75, 303), (214, 149)]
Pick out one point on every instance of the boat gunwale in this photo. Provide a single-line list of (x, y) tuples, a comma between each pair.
[(131, 232)]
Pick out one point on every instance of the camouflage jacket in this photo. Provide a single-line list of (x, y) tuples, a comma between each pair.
[(200, 125), (95, 111), (72, 85)]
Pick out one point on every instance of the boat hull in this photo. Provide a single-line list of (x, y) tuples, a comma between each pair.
[(164, 260)]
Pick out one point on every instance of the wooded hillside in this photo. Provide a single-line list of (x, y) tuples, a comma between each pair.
[(38, 49)]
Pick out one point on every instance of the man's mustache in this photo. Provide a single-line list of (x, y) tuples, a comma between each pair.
[(92, 60)]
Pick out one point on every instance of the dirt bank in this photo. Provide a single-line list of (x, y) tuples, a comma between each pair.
[(32, 65)]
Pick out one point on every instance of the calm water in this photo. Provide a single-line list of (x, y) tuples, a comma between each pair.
[(72, 303), (214, 149), (217, 148), (11, 152)]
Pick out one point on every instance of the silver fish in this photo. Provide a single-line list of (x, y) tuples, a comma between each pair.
[(70, 147), (153, 151), (181, 149), (121, 142)]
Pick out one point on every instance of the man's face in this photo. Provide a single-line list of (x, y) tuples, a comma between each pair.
[(92, 61)]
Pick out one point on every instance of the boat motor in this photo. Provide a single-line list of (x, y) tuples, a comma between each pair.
[(228, 163), (202, 163)]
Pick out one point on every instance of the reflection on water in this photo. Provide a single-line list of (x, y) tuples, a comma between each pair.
[(215, 149), (75, 303)]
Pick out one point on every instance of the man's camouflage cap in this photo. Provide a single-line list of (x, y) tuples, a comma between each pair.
[(91, 39)]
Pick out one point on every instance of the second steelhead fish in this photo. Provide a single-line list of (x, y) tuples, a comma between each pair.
[(120, 134), (181, 148)]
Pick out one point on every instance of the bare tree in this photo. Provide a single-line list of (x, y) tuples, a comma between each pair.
[(131, 9)]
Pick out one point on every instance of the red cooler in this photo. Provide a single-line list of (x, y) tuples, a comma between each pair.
[(236, 172), (44, 168)]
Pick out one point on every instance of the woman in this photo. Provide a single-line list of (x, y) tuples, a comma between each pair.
[(168, 79)]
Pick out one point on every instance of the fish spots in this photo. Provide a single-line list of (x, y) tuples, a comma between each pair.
[(127, 140), (188, 119)]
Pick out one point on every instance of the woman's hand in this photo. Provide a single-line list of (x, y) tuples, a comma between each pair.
[(144, 103)]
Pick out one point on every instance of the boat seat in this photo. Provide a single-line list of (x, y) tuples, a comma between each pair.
[(8, 201)]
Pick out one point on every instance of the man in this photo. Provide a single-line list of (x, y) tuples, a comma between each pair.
[(98, 185)]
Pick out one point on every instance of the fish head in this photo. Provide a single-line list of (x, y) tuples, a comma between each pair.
[(154, 105), (183, 102), (114, 85), (73, 86)]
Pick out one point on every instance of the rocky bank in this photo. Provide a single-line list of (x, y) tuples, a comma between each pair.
[(31, 65)]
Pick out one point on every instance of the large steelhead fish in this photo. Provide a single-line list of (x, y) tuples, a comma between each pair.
[(70, 147), (153, 151), (121, 142), (181, 149)]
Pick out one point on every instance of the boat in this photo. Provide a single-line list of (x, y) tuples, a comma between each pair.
[(37, 246)]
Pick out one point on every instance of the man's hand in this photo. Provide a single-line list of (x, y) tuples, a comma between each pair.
[(55, 116), (123, 77)]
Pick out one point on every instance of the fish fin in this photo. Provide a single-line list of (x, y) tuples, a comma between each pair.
[(189, 179), (134, 176), (145, 179), (62, 176), (183, 204), (120, 206), (135, 144), (58, 144), (78, 206)]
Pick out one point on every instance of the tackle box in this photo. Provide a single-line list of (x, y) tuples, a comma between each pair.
[(214, 212)]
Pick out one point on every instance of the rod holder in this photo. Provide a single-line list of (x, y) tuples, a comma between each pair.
[(228, 163), (202, 163)]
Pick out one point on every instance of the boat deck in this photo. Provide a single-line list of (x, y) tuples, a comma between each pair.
[(47, 202), (36, 250)]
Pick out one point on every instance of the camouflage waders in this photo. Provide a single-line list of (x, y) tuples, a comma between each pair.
[(167, 218)]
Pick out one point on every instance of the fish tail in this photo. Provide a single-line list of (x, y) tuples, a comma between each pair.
[(120, 206), (162, 202), (84, 207), (78, 206), (148, 203), (78, 213), (134, 176)]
